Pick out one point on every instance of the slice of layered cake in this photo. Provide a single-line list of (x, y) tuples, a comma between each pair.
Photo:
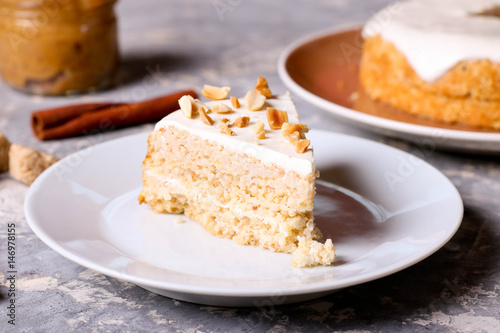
[(242, 168)]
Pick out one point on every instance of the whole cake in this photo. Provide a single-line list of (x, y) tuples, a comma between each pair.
[(439, 59), (242, 168)]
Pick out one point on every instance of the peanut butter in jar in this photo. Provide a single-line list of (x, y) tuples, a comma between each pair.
[(58, 47)]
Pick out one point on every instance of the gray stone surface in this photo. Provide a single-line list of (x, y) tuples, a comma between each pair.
[(187, 44)]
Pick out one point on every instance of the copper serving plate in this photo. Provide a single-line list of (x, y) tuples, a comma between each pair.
[(323, 69)]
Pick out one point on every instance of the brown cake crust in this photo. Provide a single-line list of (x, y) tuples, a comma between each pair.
[(468, 93)]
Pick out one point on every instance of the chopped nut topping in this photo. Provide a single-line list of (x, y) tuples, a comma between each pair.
[(241, 122), (235, 102), (198, 105), (224, 127), (221, 108), (205, 118), (187, 105), (301, 146), (276, 118), (288, 129), (258, 127), (226, 130), (294, 137), (254, 101), (215, 93), (295, 134), (262, 87)]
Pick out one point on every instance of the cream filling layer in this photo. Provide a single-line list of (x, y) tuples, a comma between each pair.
[(179, 188)]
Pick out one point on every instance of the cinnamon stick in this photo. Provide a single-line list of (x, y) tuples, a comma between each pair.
[(73, 120)]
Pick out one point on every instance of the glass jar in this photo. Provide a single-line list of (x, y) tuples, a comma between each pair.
[(58, 47)]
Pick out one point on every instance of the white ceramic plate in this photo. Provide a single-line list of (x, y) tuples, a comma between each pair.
[(386, 211), (312, 66)]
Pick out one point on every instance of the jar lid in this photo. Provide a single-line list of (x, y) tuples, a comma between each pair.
[(51, 5)]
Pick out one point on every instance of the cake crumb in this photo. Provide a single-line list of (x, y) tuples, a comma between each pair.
[(179, 219), (311, 253)]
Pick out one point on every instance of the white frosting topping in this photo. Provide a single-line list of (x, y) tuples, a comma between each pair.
[(274, 149), (435, 35)]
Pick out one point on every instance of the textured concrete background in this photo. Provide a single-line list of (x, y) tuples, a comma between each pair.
[(189, 43)]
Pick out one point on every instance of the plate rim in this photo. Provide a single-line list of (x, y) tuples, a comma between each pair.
[(361, 118), (223, 291)]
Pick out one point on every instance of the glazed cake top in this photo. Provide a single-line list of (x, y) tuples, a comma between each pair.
[(435, 35), (273, 149)]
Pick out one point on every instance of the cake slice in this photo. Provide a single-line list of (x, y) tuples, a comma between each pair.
[(236, 176), (438, 60)]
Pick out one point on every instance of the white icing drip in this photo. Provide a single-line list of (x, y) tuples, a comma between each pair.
[(274, 149), (436, 35)]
